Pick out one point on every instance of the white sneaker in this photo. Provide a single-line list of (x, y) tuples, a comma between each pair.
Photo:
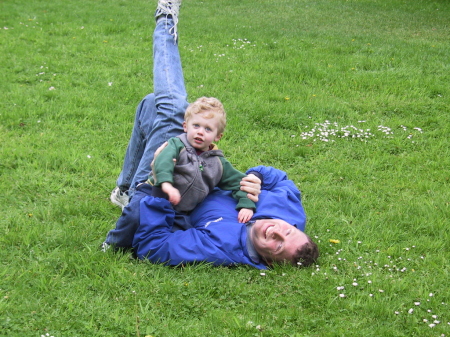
[(119, 198), (169, 7), (104, 247)]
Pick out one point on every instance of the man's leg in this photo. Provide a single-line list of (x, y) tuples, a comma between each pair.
[(169, 104), (121, 237), (160, 116), (143, 124), (170, 95), (170, 92)]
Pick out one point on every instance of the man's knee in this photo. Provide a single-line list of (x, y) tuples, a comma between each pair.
[(147, 105)]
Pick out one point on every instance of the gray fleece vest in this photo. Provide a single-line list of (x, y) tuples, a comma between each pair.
[(195, 176)]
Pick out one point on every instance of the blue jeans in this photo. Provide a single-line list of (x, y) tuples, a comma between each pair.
[(159, 116)]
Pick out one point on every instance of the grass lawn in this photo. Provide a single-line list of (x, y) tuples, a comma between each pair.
[(350, 97)]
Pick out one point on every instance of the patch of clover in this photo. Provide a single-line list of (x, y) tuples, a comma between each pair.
[(43, 75), (428, 310), (332, 131), (235, 45)]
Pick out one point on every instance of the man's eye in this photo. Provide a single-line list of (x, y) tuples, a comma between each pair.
[(279, 247)]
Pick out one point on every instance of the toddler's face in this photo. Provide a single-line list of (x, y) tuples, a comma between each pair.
[(202, 131)]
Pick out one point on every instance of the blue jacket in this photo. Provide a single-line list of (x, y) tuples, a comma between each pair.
[(217, 236)]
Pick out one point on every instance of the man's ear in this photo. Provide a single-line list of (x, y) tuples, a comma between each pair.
[(218, 137)]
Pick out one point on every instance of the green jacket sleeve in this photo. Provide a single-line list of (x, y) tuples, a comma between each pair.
[(230, 181), (164, 165)]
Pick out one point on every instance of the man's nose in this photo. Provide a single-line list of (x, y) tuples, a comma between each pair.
[(277, 233)]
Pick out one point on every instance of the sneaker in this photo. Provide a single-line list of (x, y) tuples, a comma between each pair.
[(104, 247), (169, 7), (119, 198)]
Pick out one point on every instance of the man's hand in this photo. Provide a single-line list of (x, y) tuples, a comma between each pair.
[(172, 192), (252, 185), (245, 214)]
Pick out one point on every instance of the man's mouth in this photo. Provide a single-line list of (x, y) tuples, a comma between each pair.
[(267, 229)]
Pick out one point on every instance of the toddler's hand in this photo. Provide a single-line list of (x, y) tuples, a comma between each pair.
[(172, 192), (245, 214)]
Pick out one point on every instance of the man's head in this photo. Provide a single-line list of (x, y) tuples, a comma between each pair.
[(204, 122), (277, 241)]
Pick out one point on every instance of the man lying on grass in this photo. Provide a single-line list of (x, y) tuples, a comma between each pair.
[(217, 237), (212, 232)]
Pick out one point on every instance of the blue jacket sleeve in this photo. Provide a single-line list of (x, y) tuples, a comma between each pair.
[(271, 176), (280, 198), (155, 241)]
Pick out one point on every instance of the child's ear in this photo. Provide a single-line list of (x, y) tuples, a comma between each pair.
[(218, 137), (184, 127)]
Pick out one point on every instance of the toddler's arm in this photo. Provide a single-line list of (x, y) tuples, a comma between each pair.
[(172, 192)]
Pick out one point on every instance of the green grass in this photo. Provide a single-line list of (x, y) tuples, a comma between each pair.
[(282, 69)]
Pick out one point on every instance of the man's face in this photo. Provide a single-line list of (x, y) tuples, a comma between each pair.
[(276, 240), (202, 131)]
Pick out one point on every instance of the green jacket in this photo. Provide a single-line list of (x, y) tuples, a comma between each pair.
[(195, 176)]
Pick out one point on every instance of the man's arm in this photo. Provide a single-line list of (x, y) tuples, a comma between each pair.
[(155, 241), (280, 198), (270, 176)]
